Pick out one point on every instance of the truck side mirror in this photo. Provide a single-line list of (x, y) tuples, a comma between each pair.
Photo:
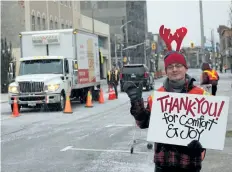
[(66, 66)]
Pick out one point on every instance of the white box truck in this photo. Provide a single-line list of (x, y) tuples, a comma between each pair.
[(54, 64)]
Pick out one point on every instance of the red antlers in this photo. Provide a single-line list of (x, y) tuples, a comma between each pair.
[(168, 37)]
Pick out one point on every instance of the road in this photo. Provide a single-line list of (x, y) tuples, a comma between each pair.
[(89, 140)]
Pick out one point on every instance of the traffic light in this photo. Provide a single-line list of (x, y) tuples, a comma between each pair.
[(153, 46), (192, 45)]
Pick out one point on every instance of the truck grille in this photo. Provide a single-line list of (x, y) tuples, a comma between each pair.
[(31, 87)]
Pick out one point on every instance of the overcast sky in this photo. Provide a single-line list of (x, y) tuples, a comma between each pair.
[(175, 14)]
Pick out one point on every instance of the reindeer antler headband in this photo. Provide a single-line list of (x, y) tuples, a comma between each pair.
[(178, 36)]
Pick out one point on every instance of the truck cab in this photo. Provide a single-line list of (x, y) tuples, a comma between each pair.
[(41, 80)]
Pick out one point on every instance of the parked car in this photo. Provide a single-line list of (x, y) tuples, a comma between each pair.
[(137, 73)]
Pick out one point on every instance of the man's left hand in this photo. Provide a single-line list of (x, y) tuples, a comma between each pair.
[(195, 144)]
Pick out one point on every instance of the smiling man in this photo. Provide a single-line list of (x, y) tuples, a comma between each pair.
[(170, 158)]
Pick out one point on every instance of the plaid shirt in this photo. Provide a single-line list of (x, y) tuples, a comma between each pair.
[(176, 157)]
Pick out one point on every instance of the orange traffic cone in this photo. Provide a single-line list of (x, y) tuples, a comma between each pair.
[(68, 108), (112, 95), (89, 100), (15, 112), (101, 97)]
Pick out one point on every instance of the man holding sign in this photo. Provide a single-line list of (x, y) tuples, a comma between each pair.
[(169, 157)]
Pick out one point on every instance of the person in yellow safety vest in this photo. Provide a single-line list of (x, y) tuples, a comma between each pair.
[(209, 76), (113, 79)]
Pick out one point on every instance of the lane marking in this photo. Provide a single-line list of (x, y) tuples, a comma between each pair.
[(66, 148), (119, 125), (105, 150)]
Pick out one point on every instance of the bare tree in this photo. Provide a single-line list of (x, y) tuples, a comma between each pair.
[(6, 58)]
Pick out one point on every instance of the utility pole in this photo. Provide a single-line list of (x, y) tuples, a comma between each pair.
[(126, 34), (93, 6), (213, 48), (145, 55), (202, 31), (115, 49)]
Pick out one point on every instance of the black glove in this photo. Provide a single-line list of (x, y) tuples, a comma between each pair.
[(133, 92), (195, 148), (195, 144)]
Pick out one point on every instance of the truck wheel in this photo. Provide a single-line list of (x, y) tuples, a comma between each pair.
[(152, 87), (95, 95), (61, 104), (12, 106), (121, 88), (148, 87)]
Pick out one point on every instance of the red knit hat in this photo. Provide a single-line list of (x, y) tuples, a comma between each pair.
[(173, 56)]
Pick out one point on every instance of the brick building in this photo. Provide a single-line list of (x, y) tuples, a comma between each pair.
[(225, 35)]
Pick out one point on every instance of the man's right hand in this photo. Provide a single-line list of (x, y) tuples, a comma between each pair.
[(137, 105), (133, 92)]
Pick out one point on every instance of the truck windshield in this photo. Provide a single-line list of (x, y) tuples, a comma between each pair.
[(43, 66)]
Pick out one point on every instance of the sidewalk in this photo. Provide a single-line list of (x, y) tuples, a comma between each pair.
[(225, 89), (4, 98)]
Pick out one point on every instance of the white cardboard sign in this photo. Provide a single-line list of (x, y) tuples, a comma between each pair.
[(180, 118)]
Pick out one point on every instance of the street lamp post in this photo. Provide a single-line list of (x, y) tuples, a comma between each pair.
[(115, 49), (93, 6), (126, 35), (202, 28)]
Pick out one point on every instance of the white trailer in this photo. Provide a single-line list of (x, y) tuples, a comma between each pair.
[(54, 64)]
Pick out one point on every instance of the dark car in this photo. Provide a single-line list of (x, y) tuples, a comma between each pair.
[(137, 73)]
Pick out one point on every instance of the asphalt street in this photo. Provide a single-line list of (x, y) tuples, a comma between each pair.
[(91, 139)]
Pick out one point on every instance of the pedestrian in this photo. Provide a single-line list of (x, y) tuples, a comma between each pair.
[(168, 157), (113, 79), (209, 76), (225, 68)]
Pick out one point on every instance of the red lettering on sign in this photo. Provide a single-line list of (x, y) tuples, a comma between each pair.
[(193, 107), (83, 76)]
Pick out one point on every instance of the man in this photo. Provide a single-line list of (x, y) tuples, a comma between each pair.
[(209, 76), (168, 157), (113, 79)]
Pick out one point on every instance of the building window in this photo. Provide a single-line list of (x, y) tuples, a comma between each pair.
[(51, 24), (38, 23), (70, 26), (70, 4), (67, 26), (33, 22), (62, 26), (44, 24)]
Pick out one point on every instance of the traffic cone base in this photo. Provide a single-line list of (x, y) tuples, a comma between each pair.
[(101, 97), (68, 108), (89, 100), (112, 95), (15, 112)]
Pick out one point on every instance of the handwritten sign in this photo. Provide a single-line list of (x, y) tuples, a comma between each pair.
[(180, 118)]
